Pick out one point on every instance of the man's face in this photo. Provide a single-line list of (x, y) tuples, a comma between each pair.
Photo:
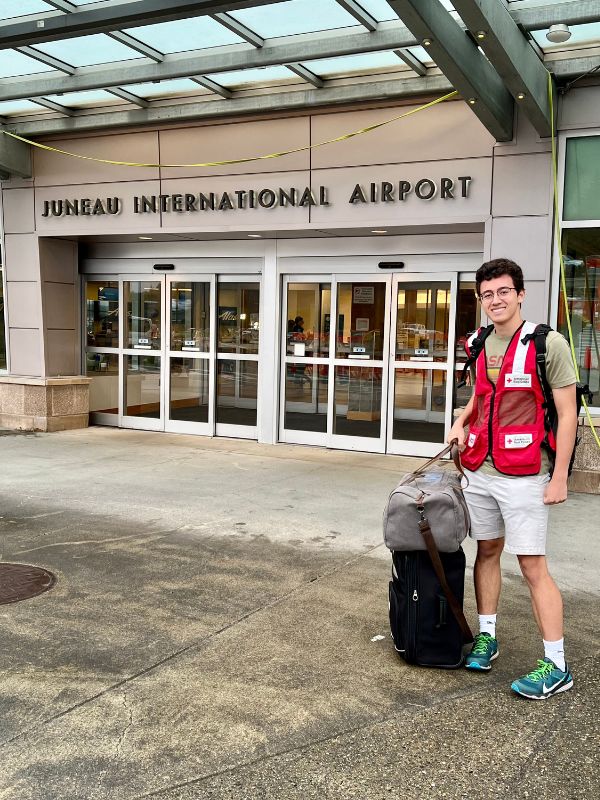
[(501, 306)]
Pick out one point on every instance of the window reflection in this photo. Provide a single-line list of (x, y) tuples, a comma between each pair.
[(190, 316), (189, 389), (238, 317), (306, 397), (581, 253), (103, 369), (142, 318), (308, 319), (237, 392), (357, 409), (142, 386), (361, 319), (102, 313), (423, 321)]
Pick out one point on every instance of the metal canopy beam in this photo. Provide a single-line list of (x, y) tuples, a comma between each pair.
[(461, 62), (512, 57), (15, 157), (62, 5), (537, 18), (359, 14), (90, 19), (284, 50), (129, 96), (299, 100), (135, 44), (43, 101), (411, 61), (44, 58), (241, 30), (306, 75), (212, 86)]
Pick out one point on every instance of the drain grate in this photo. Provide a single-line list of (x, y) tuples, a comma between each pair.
[(21, 581)]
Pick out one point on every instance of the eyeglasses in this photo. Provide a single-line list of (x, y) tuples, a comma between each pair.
[(502, 293)]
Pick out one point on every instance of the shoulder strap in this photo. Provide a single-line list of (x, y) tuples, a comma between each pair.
[(441, 576), (539, 338), (475, 349)]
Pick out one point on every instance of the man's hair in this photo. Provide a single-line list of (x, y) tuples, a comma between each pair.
[(498, 267)]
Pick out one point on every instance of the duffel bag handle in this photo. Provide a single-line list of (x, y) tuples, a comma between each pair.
[(452, 448)]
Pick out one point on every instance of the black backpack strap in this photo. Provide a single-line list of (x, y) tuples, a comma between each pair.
[(475, 349), (539, 336)]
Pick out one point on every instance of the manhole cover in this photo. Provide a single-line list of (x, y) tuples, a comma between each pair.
[(20, 581)]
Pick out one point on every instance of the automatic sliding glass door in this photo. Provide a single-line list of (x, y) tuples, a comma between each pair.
[(334, 379)]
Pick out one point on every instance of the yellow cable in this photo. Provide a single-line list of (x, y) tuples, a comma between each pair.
[(563, 281), (342, 138)]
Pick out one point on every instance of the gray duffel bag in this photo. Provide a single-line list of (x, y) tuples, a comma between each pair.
[(436, 496)]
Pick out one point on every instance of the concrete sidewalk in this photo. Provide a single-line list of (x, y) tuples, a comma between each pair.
[(219, 630)]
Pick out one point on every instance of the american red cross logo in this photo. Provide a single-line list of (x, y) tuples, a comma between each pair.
[(510, 441), (509, 380)]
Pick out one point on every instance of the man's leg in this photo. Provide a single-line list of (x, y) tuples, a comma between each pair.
[(545, 596), (486, 575)]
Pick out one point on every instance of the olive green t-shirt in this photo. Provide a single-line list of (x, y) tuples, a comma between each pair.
[(559, 371)]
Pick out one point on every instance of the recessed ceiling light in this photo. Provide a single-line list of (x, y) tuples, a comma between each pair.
[(379, 231), (481, 35), (255, 235), (521, 96), (472, 101), (427, 42), (145, 238), (558, 33)]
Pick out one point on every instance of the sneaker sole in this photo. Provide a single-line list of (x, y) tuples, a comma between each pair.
[(565, 687), (478, 667)]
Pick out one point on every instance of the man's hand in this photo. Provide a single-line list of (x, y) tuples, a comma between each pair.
[(457, 432), (556, 491)]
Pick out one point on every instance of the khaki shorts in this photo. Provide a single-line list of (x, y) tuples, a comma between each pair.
[(512, 508)]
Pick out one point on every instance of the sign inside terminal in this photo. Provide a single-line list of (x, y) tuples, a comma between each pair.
[(380, 192)]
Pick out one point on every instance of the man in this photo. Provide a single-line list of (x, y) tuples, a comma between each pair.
[(510, 488)]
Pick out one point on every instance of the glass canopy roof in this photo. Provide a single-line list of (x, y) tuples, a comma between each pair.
[(198, 57)]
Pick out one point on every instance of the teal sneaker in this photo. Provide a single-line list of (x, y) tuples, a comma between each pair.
[(544, 681), (483, 652)]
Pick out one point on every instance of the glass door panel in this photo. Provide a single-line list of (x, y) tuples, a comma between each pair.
[(468, 319), (102, 311), (237, 392), (358, 401), (189, 390), (422, 357), (419, 405), (306, 397), (142, 386), (190, 316), (361, 314), (237, 337), (143, 305)]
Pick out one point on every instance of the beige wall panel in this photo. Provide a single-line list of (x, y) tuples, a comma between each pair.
[(61, 353), (21, 260), (25, 352), (449, 130), (526, 240), (23, 302), (58, 259), (101, 223), (53, 169), (236, 218), (522, 185), (535, 305), (412, 210), (18, 211), (59, 306), (236, 140), (580, 108)]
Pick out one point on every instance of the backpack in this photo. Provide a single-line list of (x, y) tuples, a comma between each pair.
[(550, 414)]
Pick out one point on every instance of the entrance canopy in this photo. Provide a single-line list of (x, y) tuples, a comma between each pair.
[(72, 65)]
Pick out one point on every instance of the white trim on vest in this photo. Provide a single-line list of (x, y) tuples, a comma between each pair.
[(518, 366)]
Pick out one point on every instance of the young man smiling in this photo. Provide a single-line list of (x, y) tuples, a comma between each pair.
[(510, 487)]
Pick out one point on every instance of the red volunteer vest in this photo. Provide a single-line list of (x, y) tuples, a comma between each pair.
[(508, 418)]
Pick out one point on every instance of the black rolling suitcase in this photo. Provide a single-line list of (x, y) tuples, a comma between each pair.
[(428, 566), (424, 629)]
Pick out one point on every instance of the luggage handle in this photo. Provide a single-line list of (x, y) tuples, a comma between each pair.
[(441, 575), (452, 448)]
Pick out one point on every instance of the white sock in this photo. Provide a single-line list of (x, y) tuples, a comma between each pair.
[(555, 651), (487, 624)]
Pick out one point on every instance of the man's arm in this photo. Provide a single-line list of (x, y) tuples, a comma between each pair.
[(566, 409), (457, 431)]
